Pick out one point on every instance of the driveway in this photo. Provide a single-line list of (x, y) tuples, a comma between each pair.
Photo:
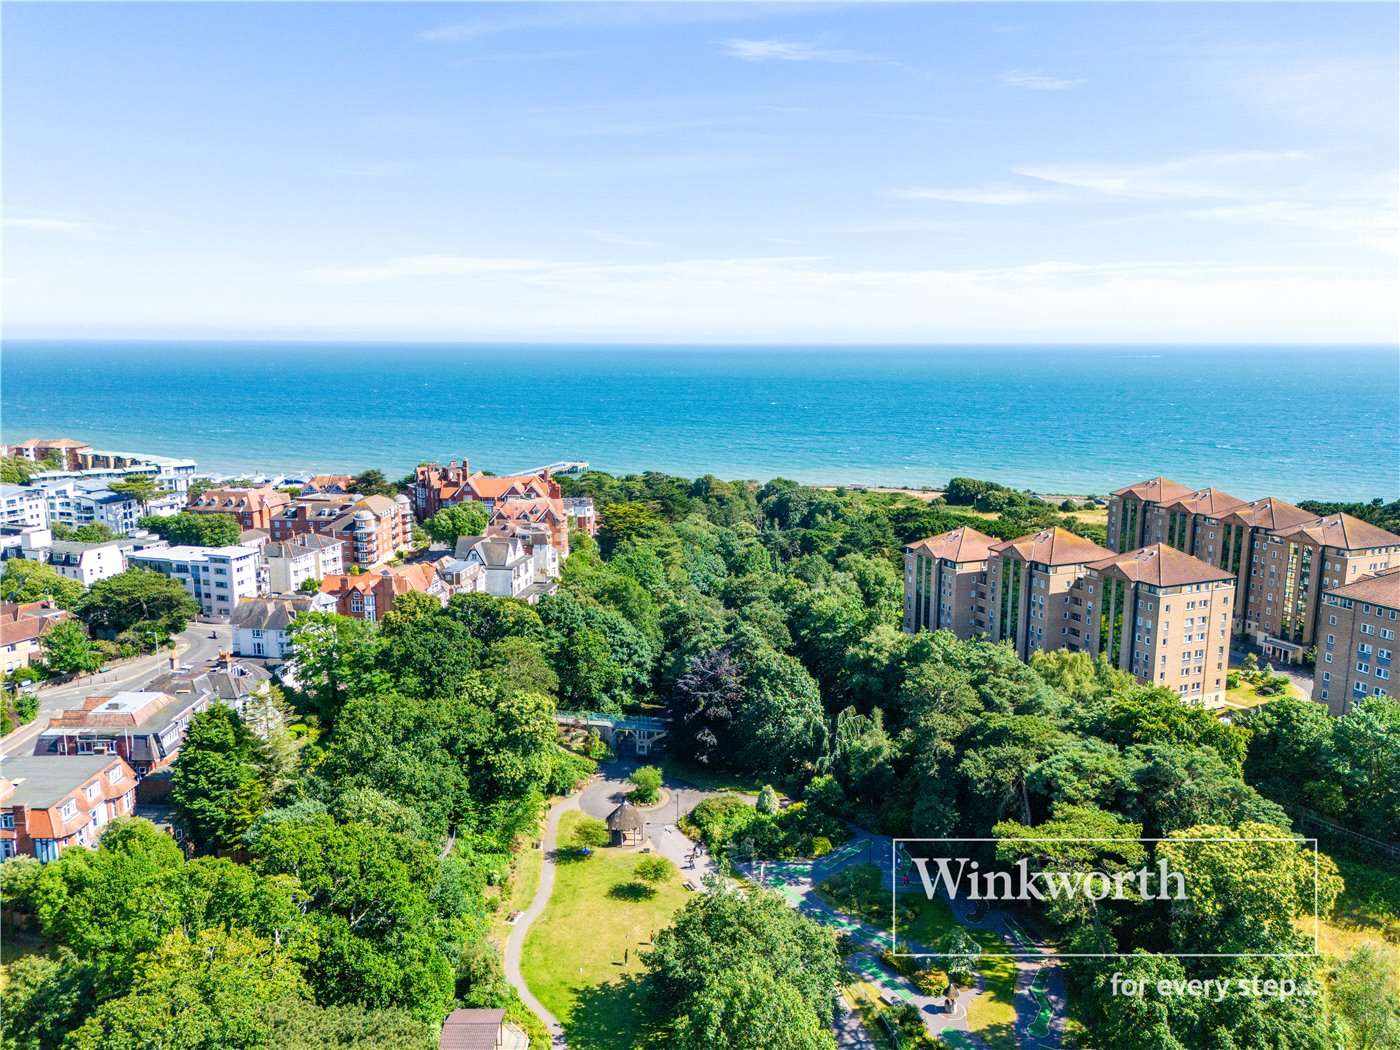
[(193, 645)]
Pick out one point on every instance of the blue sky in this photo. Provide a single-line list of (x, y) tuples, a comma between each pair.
[(716, 172)]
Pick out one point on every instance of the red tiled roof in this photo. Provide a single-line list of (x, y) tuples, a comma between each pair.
[(959, 545), (1211, 502), (1343, 531), (1155, 490), (1382, 588), (1161, 566), (1053, 546), (1269, 513)]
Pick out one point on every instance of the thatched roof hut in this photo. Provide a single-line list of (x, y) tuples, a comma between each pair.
[(625, 823)]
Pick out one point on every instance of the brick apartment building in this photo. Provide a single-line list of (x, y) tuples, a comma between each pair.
[(436, 486), (48, 804), (65, 450), (1356, 641), (371, 595), (945, 583), (371, 529), (1031, 590), (1134, 512), (254, 508), (1162, 616)]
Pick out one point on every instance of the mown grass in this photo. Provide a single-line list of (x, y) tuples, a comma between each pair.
[(573, 956)]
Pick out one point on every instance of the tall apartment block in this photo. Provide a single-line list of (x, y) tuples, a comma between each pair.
[(1296, 567), (1356, 641), (945, 583), (1164, 617), (1031, 590), (1134, 513)]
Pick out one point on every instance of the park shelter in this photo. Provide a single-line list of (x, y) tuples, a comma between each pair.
[(481, 1030), (625, 823)]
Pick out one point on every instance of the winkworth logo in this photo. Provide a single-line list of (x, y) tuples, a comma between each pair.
[(961, 877)]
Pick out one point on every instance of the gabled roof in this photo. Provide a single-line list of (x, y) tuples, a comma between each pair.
[(268, 614), (1161, 566), (471, 1030), (1344, 532), (1053, 546), (1211, 502), (1382, 588), (1155, 490), (959, 545), (1269, 513)]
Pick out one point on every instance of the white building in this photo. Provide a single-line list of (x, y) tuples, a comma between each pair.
[(86, 562), (261, 626), (508, 566), (23, 506), (308, 557), (216, 577)]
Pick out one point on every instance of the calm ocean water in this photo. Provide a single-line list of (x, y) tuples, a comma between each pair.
[(1288, 422)]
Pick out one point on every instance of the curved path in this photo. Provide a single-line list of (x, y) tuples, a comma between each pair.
[(516, 942)]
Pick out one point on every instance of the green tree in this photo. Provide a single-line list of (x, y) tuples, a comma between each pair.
[(462, 519), (654, 869), (1366, 991), (68, 650), (373, 483), (35, 581), (768, 800), (140, 487), (195, 530), (747, 1008), (591, 832), (309, 586), (201, 992), (217, 787), (646, 785), (329, 652), (138, 600)]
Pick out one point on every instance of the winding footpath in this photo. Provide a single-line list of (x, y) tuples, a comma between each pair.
[(516, 943)]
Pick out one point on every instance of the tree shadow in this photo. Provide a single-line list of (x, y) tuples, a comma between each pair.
[(632, 891), (610, 1016), (570, 855)]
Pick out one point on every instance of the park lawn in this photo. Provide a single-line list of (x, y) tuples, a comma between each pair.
[(1246, 696), (991, 1016), (1367, 911), (573, 954), (708, 779)]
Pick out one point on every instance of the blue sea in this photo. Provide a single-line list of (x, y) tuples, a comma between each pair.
[(1289, 422)]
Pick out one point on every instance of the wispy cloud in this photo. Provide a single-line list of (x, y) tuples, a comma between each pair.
[(999, 194), (605, 237), (57, 227), (1038, 82), (586, 16), (440, 265), (1189, 178), (792, 51)]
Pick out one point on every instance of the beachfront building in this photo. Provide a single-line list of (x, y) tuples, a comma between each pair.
[(329, 485), (78, 501), (308, 515), (374, 529), (1294, 568), (1161, 615), (1135, 517), (38, 450), (24, 507), (1031, 595), (512, 517), (945, 583), (371, 595), (292, 562), (436, 487), (218, 578), (1356, 641), (1191, 523), (253, 507), (51, 803)]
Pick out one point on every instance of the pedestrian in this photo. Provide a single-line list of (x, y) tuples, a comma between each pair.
[(626, 954), (906, 878)]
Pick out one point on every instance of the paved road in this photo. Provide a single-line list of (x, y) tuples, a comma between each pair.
[(516, 942), (192, 645)]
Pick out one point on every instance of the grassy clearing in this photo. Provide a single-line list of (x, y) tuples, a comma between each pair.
[(573, 957), (707, 779), (1245, 696), (1367, 912)]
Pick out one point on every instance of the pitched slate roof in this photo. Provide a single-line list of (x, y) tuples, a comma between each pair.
[(268, 614), (471, 1030), (1161, 566), (1053, 546), (959, 545)]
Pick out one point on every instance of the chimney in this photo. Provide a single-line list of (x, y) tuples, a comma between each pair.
[(174, 659)]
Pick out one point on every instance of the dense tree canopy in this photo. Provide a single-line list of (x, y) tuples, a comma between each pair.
[(137, 600), (195, 530)]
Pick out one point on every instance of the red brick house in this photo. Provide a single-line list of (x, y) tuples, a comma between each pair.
[(370, 595), (50, 803), (254, 508)]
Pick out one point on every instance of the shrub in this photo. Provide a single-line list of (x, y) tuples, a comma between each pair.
[(646, 785), (931, 982), (26, 707), (654, 869), (767, 800), (821, 846), (591, 832), (1232, 680)]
